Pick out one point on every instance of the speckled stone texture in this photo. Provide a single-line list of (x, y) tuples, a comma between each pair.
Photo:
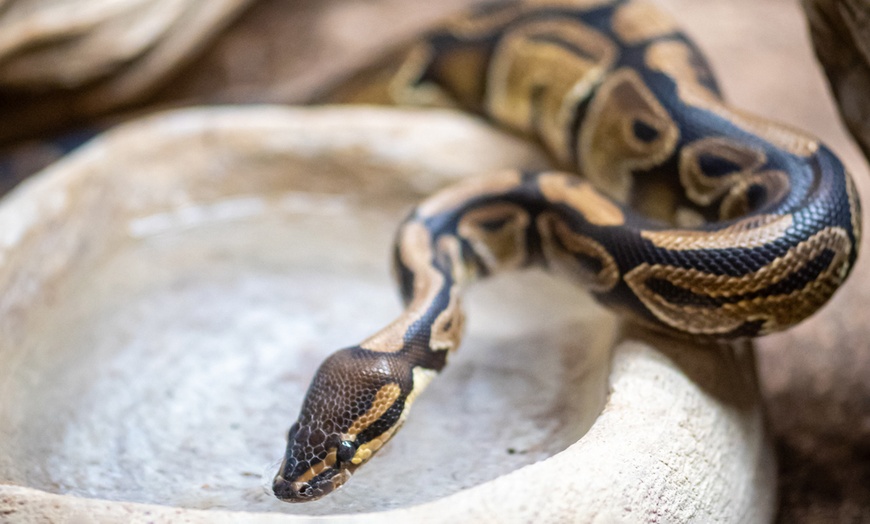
[(814, 377), (170, 289)]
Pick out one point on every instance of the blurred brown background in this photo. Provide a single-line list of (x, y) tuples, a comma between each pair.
[(814, 377)]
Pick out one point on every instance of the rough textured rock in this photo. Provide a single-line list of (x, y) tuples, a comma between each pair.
[(64, 60), (841, 35), (151, 358), (813, 378)]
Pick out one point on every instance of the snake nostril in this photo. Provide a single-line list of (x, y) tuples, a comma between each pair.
[(281, 487), (293, 491)]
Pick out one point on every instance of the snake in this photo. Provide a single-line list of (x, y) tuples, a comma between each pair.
[(672, 208)]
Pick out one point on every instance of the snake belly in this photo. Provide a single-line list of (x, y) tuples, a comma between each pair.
[(690, 216)]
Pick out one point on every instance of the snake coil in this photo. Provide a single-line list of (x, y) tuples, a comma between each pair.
[(691, 216)]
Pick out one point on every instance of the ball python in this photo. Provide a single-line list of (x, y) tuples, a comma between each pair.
[(674, 209)]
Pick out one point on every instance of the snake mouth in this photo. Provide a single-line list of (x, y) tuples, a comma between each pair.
[(318, 487), (295, 491)]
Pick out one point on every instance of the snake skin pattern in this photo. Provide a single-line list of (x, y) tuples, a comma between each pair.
[(691, 216)]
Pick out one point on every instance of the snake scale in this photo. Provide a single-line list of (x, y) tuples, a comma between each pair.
[(690, 216)]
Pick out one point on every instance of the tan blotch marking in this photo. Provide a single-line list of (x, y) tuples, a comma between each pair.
[(463, 72), (318, 468), (608, 147), (403, 88), (736, 203), (535, 83), (595, 207), (655, 199), (751, 232), (365, 451), (455, 196), (702, 188), (500, 248), (775, 311), (686, 217), (674, 59), (449, 254), (560, 245), (415, 251), (384, 400), (639, 21), (446, 331), (422, 377)]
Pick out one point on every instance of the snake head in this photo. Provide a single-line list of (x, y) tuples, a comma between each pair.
[(311, 467), (354, 405)]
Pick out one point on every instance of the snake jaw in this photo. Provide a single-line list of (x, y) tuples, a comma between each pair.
[(299, 491), (327, 479), (305, 480), (309, 466)]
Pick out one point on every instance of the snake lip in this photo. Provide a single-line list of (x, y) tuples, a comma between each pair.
[(294, 491), (310, 490), (316, 488), (281, 488)]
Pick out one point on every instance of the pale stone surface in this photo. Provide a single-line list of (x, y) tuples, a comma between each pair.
[(169, 290), (664, 448)]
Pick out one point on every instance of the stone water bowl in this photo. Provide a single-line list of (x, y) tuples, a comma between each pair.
[(169, 290)]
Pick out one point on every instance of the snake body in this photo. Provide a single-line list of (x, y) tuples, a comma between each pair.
[(690, 216)]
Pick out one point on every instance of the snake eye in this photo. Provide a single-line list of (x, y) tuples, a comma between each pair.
[(346, 451)]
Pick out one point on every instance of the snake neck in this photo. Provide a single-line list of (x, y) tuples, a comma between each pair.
[(770, 219), (432, 277)]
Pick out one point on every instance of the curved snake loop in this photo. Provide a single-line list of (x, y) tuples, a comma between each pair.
[(691, 216)]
